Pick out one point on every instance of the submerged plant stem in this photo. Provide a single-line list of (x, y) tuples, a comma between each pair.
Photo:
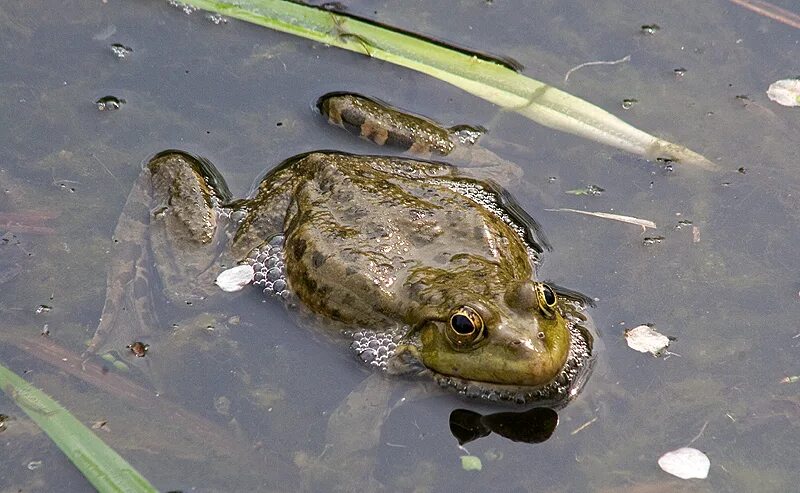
[(104, 468)]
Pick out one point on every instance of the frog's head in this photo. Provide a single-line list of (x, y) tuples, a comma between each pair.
[(518, 339)]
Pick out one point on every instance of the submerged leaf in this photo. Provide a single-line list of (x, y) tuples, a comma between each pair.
[(485, 77), (685, 463), (471, 463)]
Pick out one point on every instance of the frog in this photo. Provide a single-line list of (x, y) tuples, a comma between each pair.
[(419, 267)]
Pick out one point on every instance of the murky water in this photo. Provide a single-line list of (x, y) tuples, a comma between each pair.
[(254, 402)]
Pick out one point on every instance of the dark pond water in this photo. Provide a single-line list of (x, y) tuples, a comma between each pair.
[(245, 397)]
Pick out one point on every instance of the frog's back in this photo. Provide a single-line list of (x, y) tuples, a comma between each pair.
[(358, 228)]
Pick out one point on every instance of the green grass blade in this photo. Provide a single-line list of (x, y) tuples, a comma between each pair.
[(483, 78), (104, 468)]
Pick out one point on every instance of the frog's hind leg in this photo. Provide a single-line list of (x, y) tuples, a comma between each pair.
[(128, 312), (169, 221), (186, 233)]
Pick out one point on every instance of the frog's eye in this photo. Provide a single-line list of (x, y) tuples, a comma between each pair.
[(466, 327), (547, 300)]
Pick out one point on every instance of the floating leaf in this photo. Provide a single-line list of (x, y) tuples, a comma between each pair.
[(471, 463), (474, 73), (104, 468), (685, 463), (785, 92), (235, 278), (645, 339)]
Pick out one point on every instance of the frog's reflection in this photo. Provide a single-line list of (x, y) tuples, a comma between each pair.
[(532, 426)]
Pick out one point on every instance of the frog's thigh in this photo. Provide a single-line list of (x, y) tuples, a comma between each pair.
[(183, 219), (354, 431)]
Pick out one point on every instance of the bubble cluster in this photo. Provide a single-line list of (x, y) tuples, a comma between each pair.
[(270, 270), (187, 9), (374, 348)]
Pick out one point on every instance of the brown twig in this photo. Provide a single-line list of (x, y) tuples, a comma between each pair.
[(772, 11)]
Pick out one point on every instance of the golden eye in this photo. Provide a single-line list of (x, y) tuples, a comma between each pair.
[(547, 300), (466, 327)]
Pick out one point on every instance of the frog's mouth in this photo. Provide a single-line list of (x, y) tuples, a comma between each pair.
[(558, 392)]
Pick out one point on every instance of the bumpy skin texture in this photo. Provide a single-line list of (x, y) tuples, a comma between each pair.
[(393, 244), (384, 125)]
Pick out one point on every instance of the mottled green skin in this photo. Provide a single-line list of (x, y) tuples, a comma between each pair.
[(385, 125), (386, 244), (391, 245)]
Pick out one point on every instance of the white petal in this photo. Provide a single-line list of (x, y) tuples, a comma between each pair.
[(235, 278), (646, 340), (685, 463), (785, 92)]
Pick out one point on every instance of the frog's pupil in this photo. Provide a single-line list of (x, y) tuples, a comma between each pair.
[(462, 324), (549, 295)]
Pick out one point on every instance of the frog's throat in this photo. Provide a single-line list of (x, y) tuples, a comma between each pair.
[(558, 392)]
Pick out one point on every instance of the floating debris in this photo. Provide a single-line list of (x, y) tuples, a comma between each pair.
[(101, 425), (624, 59), (235, 278), (646, 339), (785, 92), (652, 240), (792, 379), (43, 308), (644, 223), (650, 29), (138, 348), (34, 465), (120, 50), (109, 103), (593, 190), (679, 72), (471, 463), (4, 419), (695, 234), (628, 103), (682, 223), (685, 463), (742, 170)]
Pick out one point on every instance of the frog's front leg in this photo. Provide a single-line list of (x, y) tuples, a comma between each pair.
[(168, 228), (386, 125)]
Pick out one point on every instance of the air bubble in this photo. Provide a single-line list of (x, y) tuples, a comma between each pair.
[(274, 274), (187, 9), (217, 18)]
